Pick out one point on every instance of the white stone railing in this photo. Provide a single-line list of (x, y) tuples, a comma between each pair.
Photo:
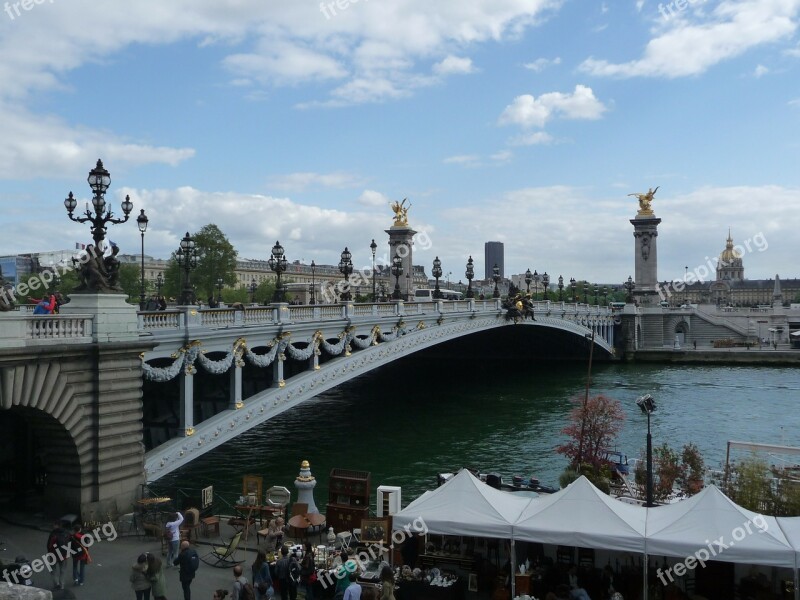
[(18, 329), (162, 319)]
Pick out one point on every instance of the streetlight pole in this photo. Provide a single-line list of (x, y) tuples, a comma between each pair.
[(596, 290), (159, 283), (572, 288), (528, 279), (629, 285), (345, 268), (141, 221), (187, 260), (545, 283), (253, 288), (373, 246), (314, 283), (219, 290), (536, 279), (397, 270), (437, 272), (648, 405), (586, 292), (685, 283), (560, 288), (278, 263), (496, 277), (470, 274)]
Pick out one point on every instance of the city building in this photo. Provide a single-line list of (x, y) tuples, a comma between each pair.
[(493, 253)]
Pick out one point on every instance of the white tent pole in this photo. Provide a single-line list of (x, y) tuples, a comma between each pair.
[(513, 559), (796, 586), (644, 584)]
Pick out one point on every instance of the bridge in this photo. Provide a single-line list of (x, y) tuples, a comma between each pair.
[(87, 422)]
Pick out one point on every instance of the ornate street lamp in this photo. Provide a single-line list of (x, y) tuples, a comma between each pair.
[(397, 271), (596, 290), (629, 286), (187, 260), (219, 290), (572, 288), (159, 283), (253, 288), (528, 279), (383, 291), (99, 180), (536, 280), (605, 295), (373, 246), (345, 268), (470, 274), (545, 283), (496, 277), (141, 221), (560, 288), (313, 282), (278, 263), (648, 405), (437, 272), (586, 292)]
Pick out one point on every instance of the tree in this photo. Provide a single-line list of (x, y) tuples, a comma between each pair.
[(216, 257), (670, 470), (749, 485), (593, 427)]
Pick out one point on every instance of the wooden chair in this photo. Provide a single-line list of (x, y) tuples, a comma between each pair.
[(222, 556), (298, 508), (191, 522)]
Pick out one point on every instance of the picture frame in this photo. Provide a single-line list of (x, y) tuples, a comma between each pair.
[(376, 530), (208, 496), (252, 484), (472, 584)]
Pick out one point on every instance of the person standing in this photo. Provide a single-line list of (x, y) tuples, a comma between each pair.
[(155, 573), (239, 581), (188, 561), (287, 570), (80, 555), (262, 578), (58, 546), (387, 583), (139, 580), (308, 568), (353, 591), (173, 535)]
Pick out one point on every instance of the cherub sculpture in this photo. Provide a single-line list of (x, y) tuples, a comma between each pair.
[(645, 201)]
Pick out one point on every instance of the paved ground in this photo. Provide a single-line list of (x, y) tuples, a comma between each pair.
[(107, 576)]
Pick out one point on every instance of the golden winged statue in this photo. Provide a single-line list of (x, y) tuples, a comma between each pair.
[(400, 213), (645, 201)]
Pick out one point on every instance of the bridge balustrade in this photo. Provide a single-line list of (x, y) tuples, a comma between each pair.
[(59, 327)]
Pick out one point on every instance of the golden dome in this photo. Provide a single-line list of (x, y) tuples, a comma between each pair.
[(730, 254)]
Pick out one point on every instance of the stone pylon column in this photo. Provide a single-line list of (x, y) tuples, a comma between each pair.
[(305, 484), (645, 234), (401, 243)]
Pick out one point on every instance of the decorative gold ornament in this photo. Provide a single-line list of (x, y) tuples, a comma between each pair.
[(400, 213), (645, 201)]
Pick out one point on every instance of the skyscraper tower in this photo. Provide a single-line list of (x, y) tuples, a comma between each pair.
[(493, 255)]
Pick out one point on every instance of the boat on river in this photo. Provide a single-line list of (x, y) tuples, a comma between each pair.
[(518, 483)]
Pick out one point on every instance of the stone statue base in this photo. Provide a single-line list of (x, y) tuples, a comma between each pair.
[(114, 320)]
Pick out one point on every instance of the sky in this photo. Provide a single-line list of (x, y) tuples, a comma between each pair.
[(522, 121)]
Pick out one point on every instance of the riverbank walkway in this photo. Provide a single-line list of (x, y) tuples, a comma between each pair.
[(107, 576)]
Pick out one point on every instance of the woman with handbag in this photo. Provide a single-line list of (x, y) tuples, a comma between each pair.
[(262, 579), (308, 571)]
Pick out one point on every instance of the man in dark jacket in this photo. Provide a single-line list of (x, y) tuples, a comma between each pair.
[(188, 561), (287, 572), (58, 548)]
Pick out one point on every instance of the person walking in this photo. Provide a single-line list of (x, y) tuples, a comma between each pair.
[(58, 546), (172, 533), (140, 582), (287, 571), (239, 584), (188, 561), (262, 579), (80, 555), (308, 571), (353, 591), (155, 573)]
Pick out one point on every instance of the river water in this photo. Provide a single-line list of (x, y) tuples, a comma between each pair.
[(412, 419)]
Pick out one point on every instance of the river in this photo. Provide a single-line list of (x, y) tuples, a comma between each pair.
[(409, 420)]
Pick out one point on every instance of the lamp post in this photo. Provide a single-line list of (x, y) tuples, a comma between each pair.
[(470, 274), (278, 263), (314, 283), (373, 246), (605, 295), (141, 221), (437, 272), (99, 179), (253, 288), (596, 290), (408, 286), (586, 292), (545, 283), (648, 405), (572, 287), (685, 283), (383, 291), (187, 260), (496, 277), (448, 279), (560, 288), (159, 283), (219, 290), (345, 268), (397, 271), (629, 286), (528, 279), (536, 279)]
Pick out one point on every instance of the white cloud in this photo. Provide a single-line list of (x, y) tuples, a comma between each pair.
[(373, 198), (793, 51), (463, 159), (528, 111), (639, 5), (454, 65), (687, 48), (795, 102), (303, 180), (540, 64), (759, 71), (535, 138), (502, 156)]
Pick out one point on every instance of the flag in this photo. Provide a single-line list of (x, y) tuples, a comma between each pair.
[(79, 246)]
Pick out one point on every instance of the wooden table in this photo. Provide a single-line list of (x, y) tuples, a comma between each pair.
[(305, 522)]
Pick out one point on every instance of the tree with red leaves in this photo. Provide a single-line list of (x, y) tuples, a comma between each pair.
[(594, 424)]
